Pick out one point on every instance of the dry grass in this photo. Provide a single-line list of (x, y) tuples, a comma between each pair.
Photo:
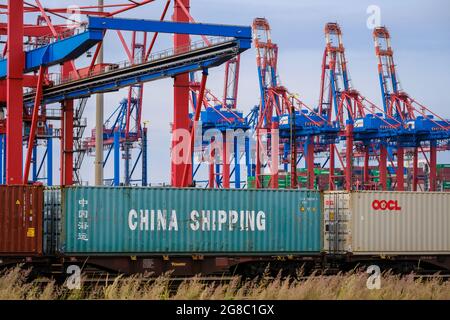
[(14, 285)]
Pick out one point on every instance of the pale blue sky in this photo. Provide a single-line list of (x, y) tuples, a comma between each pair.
[(421, 40)]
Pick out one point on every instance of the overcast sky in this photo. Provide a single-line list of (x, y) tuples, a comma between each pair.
[(420, 33)]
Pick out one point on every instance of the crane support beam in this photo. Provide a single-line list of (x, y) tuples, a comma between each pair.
[(433, 165), (13, 69), (181, 99), (187, 176), (32, 135), (226, 162), (33, 30), (310, 162), (383, 167), (242, 33), (400, 169), (275, 147)]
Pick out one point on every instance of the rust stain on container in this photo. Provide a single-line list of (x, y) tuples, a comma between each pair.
[(21, 210)]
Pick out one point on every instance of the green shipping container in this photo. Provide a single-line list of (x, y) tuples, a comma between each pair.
[(107, 220)]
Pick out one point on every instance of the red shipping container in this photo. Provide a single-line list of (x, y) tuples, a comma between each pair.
[(21, 211)]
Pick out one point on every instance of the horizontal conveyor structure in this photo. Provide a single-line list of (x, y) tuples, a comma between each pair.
[(112, 80)]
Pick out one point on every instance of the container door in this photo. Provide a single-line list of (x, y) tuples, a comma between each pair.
[(21, 220), (337, 229), (52, 219)]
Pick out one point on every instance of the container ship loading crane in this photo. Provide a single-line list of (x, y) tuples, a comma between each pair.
[(192, 226), (345, 126), (420, 129), (343, 104), (300, 127)]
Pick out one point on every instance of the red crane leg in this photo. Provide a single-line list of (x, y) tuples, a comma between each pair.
[(275, 148), (67, 133), (400, 170), (258, 160), (415, 170), (181, 101), (366, 177), (14, 88), (212, 179), (67, 165), (226, 164), (186, 177), (349, 157), (433, 165), (331, 175), (383, 167), (61, 153), (236, 80), (34, 120), (310, 163), (294, 180), (227, 71)]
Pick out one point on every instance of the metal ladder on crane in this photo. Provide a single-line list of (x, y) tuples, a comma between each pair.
[(79, 149)]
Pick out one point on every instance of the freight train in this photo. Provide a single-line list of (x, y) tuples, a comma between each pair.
[(210, 231)]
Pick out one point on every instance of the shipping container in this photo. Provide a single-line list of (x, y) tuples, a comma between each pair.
[(21, 220), (284, 181), (52, 219), (107, 220), (376, 222)]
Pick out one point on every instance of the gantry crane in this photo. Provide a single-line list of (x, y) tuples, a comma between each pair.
[(282, 114), (357, 117), (419, 125)]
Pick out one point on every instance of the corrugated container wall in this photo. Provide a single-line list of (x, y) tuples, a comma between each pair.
[(21, 220), (387, 222), (52, 219), (185, 221)]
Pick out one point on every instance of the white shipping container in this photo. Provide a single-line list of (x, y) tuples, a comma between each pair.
[(377, 222)]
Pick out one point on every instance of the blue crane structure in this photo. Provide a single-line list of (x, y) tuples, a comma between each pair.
[(225, 133), (119, 144)]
